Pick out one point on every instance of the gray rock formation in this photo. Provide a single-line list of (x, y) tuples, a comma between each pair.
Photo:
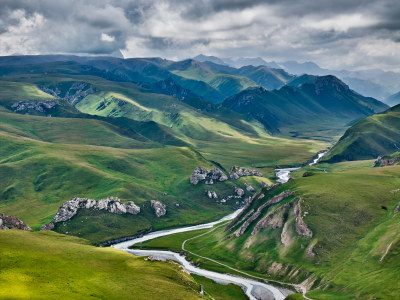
[(200, 174), (7, 222), (112, 204), (383, 161), (239, 192), (211, 194), (76, 92), (48, 226), (301, 226), (39, 106), (249, 188), (159, 209), (275, 220), (258, 212), (237, 172)]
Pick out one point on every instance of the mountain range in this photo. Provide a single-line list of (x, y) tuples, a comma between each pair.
[(166, 144)]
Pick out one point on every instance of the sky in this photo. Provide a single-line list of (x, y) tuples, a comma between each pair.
[(336, 34)]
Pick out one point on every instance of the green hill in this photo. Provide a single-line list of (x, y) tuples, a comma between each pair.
[(327, 100), (47, 265), (367, 139), (336, 234), (226, 84)]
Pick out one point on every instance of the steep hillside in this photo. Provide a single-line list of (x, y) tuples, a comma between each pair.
[(367, 139), (313, 99)]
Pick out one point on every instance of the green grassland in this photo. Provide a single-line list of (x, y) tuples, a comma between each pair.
[(48, 265), (355, 240)]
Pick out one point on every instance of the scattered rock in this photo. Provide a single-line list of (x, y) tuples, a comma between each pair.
[(236, 172), (200, 174), (7, 222), (249, 188), (39, 106), (301, 226), (239, 192), (111, 204), (212, 194), (158, 208)]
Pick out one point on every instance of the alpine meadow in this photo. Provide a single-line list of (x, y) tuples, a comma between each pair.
[(163, 149)]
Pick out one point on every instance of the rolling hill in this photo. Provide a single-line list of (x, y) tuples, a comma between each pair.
[(334, 231), (393, 99), (367, 139)]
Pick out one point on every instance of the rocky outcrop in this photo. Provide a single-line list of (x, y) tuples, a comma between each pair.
[(112, 204), (275, 220), (383, 161), (159, 209), (200, 174), (258, 212), (301, 226), (76, 92), (29, 106), (7, 222), (237, 172), (211, 194)]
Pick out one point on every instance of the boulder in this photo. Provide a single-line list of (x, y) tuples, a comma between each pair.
[(239, 192), (211, 194), (383, 161), (249, 188), (159, 209), (7, 222)]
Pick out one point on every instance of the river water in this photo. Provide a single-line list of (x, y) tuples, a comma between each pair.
[(254, 289), (284, 173)]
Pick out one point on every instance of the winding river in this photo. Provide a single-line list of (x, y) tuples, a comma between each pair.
[(284, 173), (254, 289)]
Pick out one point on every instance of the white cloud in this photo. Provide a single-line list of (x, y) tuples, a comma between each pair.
[(107, 38)]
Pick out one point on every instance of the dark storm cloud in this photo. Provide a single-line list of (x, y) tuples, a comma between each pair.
[(325, 31)]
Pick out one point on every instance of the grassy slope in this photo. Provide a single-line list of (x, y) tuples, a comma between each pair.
[(47, 265), (351, 234), (226, 84), (64, 157), (376, 135)]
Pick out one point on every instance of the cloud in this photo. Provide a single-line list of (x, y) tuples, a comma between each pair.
[(335, 34)]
